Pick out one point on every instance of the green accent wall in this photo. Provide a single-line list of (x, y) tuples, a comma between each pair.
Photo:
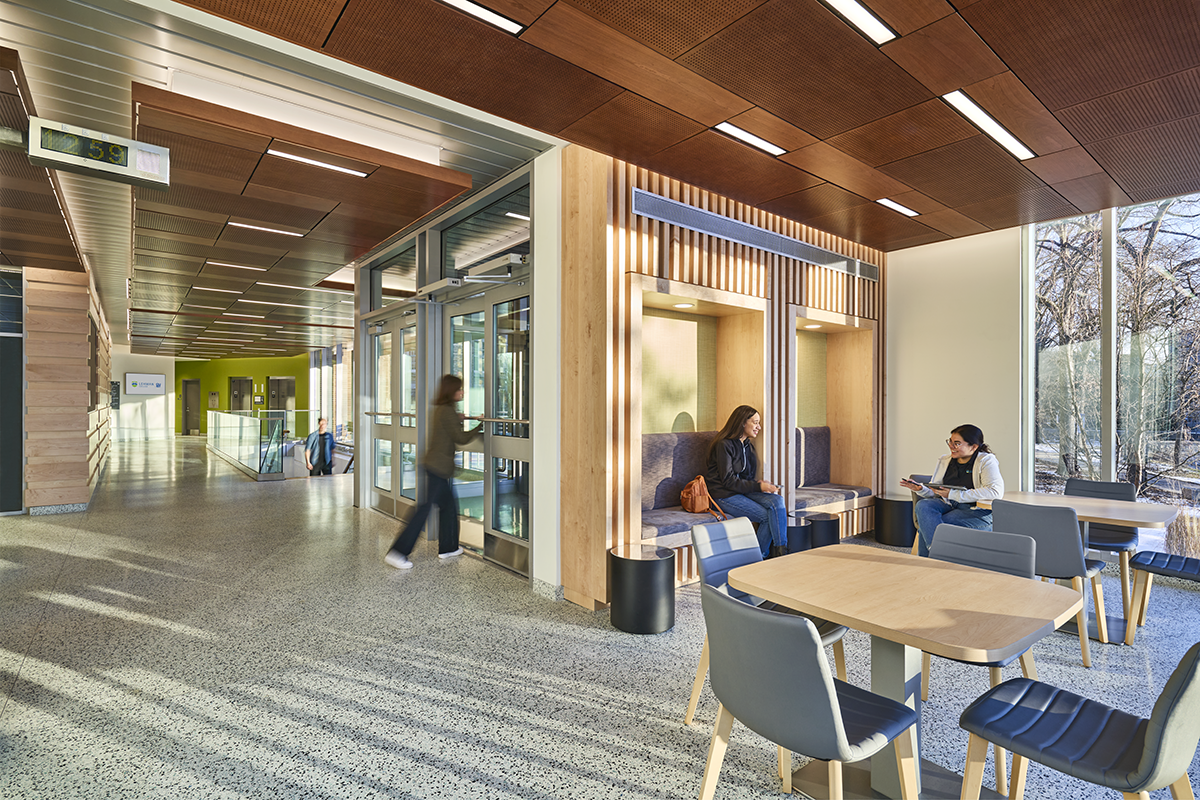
[(810, 379), (679, 363), (214, 377)]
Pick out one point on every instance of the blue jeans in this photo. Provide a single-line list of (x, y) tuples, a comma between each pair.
[(760, 508), (932, 511)]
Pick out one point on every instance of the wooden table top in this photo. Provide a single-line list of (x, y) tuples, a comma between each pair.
[(946, 609), (1096, 509)]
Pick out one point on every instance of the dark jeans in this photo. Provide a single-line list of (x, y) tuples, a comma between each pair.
[(440, 492), (321, 467)]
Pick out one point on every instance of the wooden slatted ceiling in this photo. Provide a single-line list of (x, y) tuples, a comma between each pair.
[(642, 80)]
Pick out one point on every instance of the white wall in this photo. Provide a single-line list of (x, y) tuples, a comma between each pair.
[(143, 417), (953, 351)]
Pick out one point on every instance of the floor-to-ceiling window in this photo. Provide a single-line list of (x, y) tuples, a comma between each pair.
[(1154, 267)]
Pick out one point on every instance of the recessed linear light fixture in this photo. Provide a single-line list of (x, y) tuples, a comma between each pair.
[(315, 163), (487, 15), (214, 308), (894, 206), (812, 327), (283, 305), (211, 289), (235, 314), (858, 16), (261, 228), (234, 266), (515, 215), (684, 305), (750, 139), (306, 288), (247, 324), (982, 120)]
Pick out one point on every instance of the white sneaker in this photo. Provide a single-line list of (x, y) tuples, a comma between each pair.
[(451, 554), (397, 560)]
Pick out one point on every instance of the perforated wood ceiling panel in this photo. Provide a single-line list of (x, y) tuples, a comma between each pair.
[(815, 202), (921, 128), (305, 22), (1153, 103), (964, 172), (671, 28), (799, 61), (617, 128)]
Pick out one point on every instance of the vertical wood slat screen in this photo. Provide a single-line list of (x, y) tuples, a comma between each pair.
[(643, 246)]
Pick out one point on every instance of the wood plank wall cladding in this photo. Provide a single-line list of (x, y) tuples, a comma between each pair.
[(66, 444)]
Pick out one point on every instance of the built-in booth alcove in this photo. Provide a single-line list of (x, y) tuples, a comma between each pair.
[(835, 387)]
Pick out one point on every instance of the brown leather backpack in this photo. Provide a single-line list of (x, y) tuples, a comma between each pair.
[(696, 499)]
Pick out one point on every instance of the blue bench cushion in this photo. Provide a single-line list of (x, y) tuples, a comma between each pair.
[(813, 496), (1064, 731), (813, 488), (664, 521), (669, 461), (1166, 564)]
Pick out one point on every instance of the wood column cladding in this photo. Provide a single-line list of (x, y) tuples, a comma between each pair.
[(66, 444)]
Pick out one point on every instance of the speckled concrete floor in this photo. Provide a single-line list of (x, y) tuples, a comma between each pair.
[(196, 635)]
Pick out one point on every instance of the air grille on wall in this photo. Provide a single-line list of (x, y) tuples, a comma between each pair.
[(648, 204)]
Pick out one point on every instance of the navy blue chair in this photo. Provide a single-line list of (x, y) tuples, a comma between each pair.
[(1118, 539), (1086, 739), (1060, 555), (1010, 553), (721, 546), (770, 672)]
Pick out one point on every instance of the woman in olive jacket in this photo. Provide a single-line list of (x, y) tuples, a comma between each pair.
[(445, 435)]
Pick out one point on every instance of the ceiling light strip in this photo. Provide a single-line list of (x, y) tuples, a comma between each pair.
[(261, 228), (857, 15), (234, 266), (487, 15), (984, 121), (749, 138), (894, 206), (315, 163)]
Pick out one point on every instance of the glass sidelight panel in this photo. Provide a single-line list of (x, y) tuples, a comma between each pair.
[(467, 360), (408, 376), (383, 464), (512, 367), (510, 497), (408, 471)]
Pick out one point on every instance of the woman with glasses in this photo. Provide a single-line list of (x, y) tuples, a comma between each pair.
[(732, 479), (970, 472)]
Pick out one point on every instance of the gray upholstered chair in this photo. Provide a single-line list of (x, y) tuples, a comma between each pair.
[(1086, 739), (1119, 539), (915, 497), (722, 546), (769, 672), (1059, 555), (1010, 553)]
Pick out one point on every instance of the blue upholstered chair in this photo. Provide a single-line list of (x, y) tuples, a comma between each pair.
[(722, 546), (1118, 539), (769, 672), (1059, 555), (1086, 739), (1010, 553)]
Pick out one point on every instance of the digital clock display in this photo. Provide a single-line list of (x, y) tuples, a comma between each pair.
[(85, 147)]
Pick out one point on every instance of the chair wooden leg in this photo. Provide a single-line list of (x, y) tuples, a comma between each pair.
[(1101, 617), (1028, 668), (839, 659), (972, 784), (925, 677), (1136, 795), (785, 769), (1020, 768), (1182, 789), (999, 753), (835, 780), (906, 762), (698, 683), (1141, 581), (1145, 599), (1126, 586), (1081, 621), (716, 752)]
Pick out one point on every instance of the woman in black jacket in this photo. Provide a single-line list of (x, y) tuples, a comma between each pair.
[(733, 482)]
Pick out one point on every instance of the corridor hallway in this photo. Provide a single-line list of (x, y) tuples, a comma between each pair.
[(198, 635)]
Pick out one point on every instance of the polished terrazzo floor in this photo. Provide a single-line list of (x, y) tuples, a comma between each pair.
[(197, 635)]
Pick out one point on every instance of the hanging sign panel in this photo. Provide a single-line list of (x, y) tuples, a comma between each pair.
[(145, 383)]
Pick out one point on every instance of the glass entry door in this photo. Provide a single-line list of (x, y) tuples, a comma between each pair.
[(487, 344), (392, 417)]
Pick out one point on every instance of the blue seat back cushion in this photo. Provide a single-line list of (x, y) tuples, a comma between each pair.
[(812, 456), (669, 461), (722, 546)]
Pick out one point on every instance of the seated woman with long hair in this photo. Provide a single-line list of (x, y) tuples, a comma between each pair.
[(732, 479)]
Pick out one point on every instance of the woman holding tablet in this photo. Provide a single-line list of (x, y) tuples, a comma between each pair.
[(970, 472)]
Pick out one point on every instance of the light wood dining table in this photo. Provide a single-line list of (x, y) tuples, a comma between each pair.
[(1106, 512), (909, 605)]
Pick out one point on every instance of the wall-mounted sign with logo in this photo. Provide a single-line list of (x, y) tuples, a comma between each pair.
[(143, 383)]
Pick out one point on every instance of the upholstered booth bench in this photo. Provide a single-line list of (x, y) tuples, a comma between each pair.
[(669, 461), (1145, 565), (814, 492)]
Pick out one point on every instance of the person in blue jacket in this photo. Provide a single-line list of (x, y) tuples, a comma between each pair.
[(318, 450), (732, 479)]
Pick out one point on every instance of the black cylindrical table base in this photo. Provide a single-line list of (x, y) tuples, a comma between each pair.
[(826, 529), (799, 535), (641, 589), (894, 521)]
